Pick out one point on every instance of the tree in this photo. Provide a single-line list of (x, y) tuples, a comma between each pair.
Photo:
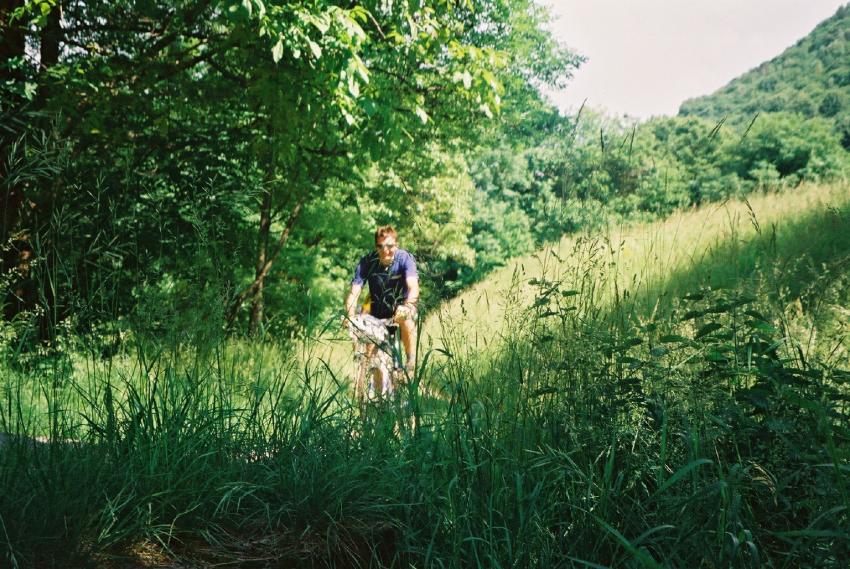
[(797, 148), (203, 122)]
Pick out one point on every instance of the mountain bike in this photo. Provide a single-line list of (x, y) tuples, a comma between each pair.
[(378, 357)]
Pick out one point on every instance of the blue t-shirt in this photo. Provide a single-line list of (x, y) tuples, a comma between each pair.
[(387, 285)]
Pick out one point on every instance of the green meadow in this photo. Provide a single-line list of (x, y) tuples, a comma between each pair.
[(669, 394)]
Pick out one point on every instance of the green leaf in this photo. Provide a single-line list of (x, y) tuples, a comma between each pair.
[(369, 106), (467, 80), (640, 554), (315, 49), (755, 314), (672, 339), (708, 329), (490, 79), (761, 326), (353, 86), (716, 356), (719, 308), (319, 22), (741, 301), (651, 531), (277, 51), (360, 68), (360, 13), (420, 112), (352, 27), (30, 89), (681, 473)]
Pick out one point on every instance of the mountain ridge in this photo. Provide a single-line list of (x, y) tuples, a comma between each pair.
[(810, 78)]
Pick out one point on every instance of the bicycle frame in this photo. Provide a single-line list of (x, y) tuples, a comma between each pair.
[(379, 363)]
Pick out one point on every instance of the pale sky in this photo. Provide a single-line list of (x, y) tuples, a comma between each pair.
[(645, 57)]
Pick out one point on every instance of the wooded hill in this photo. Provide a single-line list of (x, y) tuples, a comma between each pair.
[(810, 78)]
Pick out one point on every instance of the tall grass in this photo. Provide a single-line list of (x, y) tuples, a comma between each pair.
[(720, 245), (637, 405)]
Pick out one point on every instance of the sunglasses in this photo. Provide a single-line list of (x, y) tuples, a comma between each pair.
[(386, 246)]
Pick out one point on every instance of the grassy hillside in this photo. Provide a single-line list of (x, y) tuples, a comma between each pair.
[(777, 245), (811, 78)]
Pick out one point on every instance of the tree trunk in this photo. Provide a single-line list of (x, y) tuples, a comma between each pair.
[(51, 36), (256, 309), (255, 289), (259, 274)]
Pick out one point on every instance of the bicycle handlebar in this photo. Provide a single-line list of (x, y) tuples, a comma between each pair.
[(366, 327)]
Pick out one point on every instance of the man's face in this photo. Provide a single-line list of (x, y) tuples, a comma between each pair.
[(386, 247)]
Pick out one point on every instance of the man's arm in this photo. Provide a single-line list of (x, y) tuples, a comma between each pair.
[(407, 309), (412, 291), (411, 281), (351, 300)]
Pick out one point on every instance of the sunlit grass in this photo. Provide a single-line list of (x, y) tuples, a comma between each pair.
[(718, 245)]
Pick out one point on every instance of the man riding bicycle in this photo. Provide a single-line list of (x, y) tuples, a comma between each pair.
[(393, 288)]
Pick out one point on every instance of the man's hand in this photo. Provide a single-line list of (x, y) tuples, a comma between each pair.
[(404, 312)]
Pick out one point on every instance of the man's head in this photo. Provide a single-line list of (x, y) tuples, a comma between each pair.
[(386, 243)]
